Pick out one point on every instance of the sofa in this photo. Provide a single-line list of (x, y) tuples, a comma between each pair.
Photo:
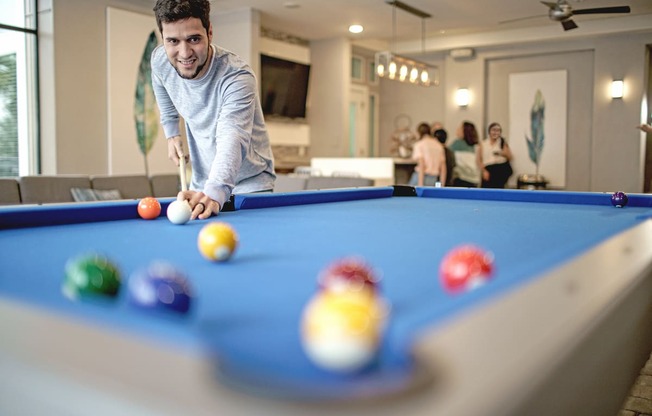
[(43, 189)]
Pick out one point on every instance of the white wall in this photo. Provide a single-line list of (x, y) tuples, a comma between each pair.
[(239, 32), (123, 151), (74, 86), (329, 102), (77, 104), (400, 100), (48, 149), (579, 67), (617, 155)]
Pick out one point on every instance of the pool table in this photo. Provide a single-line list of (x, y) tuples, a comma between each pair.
[(562, 327)]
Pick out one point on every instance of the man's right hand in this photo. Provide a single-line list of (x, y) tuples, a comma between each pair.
[(175, 148)]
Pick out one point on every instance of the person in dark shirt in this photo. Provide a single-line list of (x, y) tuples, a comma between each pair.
[(441, 135)]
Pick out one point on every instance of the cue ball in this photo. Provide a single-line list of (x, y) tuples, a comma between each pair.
[(342, 332), (179, 212), (91, 274), (465, 268), (217, 241), (149, 208), (350, 273), (619, 199), (160, 286)]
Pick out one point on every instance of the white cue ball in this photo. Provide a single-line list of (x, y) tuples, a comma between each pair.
[(179, 212)]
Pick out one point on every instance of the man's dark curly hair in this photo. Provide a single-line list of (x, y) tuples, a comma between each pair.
[(167, 11)]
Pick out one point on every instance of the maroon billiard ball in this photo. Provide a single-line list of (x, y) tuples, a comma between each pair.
[(465, 268), (349, 273)]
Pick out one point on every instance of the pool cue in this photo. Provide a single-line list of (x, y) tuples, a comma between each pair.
[(182, 173)]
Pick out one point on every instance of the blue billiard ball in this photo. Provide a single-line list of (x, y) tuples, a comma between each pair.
[(619, 199), (160, 286)]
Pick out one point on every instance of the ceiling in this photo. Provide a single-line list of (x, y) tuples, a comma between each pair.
[(323, 19)]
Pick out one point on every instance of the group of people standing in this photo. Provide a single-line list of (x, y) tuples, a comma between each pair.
[(466, 162)]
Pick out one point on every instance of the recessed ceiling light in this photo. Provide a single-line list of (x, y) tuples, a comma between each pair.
[(291, 5), (356, 28)]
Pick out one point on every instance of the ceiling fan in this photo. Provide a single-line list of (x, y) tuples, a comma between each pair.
[(562, 12)]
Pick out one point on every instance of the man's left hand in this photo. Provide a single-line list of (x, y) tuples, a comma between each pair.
[(201, 204)]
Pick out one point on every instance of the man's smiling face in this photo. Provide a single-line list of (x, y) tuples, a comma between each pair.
[(187, 45)]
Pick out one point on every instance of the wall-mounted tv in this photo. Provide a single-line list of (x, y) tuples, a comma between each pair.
[(284, 87)]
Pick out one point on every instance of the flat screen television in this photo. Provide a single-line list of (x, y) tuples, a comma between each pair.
[(284, 87)]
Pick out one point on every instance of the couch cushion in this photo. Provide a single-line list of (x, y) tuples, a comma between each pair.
[(165, 185), (41, 189), (9, 191), (88, 194), (129, 186)]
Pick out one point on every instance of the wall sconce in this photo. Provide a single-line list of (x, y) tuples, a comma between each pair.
[(462, 97), (617, 88)]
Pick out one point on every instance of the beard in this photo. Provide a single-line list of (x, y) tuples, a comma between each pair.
[(194, 74)]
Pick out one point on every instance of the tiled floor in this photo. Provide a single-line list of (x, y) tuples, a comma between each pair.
[(639, 401)]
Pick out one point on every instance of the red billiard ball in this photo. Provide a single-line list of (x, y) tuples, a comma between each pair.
[(91, 274), (619, 199), (160, 287), (350, 273), (149, 208), (465, 267)]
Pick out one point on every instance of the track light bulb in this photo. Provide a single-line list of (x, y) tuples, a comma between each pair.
[(414, 75)]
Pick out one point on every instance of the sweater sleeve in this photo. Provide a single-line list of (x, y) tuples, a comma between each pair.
[(167, 110), (233, 135)]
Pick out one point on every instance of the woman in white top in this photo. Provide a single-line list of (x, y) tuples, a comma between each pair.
[(496, 156), (430, 156)]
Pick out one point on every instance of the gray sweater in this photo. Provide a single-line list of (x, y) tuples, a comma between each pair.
[(227, 138)]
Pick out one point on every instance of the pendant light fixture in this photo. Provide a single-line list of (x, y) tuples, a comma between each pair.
[(400, 68)]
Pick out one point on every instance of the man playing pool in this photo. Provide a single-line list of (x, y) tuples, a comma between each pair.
[(216, 93)]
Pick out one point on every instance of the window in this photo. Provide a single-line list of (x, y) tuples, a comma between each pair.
[(18, 88), (373, 77), (357, 68)]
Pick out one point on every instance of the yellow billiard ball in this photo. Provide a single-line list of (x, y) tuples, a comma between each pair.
[(217, 241), (341, 332)]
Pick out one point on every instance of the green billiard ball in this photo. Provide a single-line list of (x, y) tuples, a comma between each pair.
[(91, 274)]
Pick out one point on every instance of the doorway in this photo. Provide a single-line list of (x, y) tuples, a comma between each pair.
[(359, 145)]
